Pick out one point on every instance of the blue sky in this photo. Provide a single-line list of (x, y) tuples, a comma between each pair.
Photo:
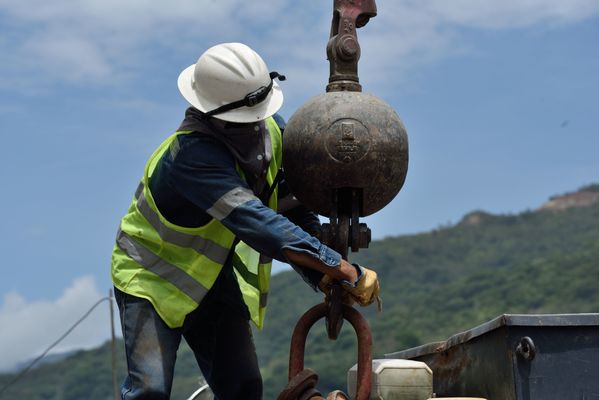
[(500, 99)]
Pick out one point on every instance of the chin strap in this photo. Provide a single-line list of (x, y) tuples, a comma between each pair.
[(250, 99)]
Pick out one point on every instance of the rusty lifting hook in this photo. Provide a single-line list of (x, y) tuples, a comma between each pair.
[(344, 202), (343, 49), (343, 53), (298, 345)]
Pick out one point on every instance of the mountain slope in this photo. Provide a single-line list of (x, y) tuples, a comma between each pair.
[(433, 285), (448, 280)]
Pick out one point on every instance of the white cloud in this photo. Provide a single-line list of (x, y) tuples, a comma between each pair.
[(28, 328), (509, 13), (96, 41), (84, 58), (409, 33), (106, 41)]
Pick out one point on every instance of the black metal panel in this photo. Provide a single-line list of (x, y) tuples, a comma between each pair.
[(518, 357), (565, 366)]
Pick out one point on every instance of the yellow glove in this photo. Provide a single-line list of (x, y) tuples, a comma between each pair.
[(364, 291), (367, 289)]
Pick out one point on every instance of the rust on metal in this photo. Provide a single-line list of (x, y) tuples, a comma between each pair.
[(345, 152), (360, 325), (343, 49), (301, 386), (334, 317), (345, 156), (332, 171)]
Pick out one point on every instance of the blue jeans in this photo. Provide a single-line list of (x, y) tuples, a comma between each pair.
[(219, 336)]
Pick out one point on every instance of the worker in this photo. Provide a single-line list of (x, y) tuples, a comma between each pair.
[(193, 252)]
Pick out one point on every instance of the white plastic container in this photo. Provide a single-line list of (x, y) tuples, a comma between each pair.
[(395, 380)]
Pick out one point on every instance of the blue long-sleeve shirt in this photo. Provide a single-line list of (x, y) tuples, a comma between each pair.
[(193, 185)]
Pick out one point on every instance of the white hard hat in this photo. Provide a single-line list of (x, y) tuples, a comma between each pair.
[(232, 82)]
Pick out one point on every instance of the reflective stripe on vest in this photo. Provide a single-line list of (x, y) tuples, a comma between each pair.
[(207, 247), (230, 201), (174, 267), (152, 262)]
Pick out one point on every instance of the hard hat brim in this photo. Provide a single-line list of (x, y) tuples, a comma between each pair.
[(263, 110)]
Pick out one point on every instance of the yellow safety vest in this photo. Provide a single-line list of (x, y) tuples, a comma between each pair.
[(173, 266)]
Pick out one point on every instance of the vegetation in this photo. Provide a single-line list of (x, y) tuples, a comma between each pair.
[(446, 281), (590, 188), (433, 285)]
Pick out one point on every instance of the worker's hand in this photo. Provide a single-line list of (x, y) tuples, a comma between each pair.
[(367, 289), (364, 291), (326, 286)]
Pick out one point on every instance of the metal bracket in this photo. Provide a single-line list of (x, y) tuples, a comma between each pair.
[(343, 49), (360, 325), (526, 349), (343, 232)]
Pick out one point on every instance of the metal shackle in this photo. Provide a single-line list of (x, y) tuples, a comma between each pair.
[(360, 325)]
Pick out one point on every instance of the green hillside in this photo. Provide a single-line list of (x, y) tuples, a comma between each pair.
[(433, 285), (449, 280)]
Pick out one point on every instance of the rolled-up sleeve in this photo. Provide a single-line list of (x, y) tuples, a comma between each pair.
[(204, 172)]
